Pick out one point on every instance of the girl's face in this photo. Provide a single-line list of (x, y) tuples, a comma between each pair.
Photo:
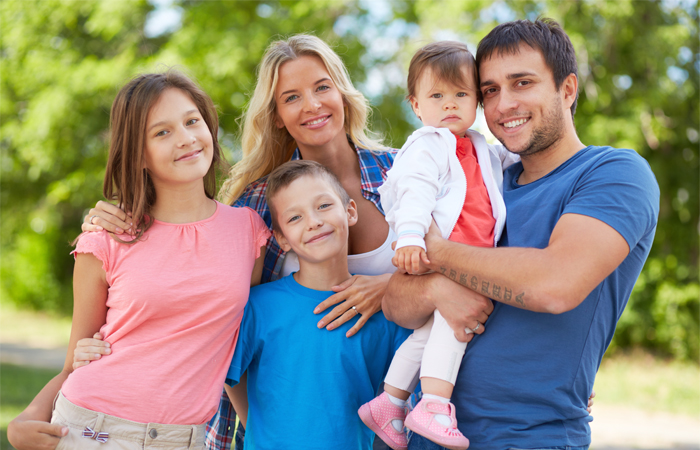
[(441, 104), (179, 146), (309, 105)]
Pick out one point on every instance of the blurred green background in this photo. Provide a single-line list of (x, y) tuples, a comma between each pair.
[(63, 61)]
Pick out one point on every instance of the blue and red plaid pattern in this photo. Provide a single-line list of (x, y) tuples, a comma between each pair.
[(373, 168)]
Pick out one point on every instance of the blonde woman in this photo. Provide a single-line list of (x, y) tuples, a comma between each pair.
[(304, 107)]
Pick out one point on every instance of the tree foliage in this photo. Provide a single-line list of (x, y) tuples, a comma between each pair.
[(63, 61)]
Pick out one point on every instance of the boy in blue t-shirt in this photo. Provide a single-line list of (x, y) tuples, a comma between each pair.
[(304, 385)]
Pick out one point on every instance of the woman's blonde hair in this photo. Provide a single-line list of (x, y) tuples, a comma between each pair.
[(265, 146)]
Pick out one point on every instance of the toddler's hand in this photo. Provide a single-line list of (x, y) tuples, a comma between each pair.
[(411, 259)]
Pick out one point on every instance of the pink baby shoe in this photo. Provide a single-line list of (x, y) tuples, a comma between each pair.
[(422, 421), (378, 414)]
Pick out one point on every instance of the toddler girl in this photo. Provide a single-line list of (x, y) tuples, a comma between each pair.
[(169, 300), (448, 173)]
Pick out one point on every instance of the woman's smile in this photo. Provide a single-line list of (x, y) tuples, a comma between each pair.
[(309, 104)]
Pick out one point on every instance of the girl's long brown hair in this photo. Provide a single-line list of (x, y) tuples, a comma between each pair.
[(126, 179)]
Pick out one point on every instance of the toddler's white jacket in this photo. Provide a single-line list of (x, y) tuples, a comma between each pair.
[(427, 178)]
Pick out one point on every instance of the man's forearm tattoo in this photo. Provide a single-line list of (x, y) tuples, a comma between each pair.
[(492, 290)]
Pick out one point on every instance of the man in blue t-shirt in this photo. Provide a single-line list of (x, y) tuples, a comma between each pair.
[(580, 224)]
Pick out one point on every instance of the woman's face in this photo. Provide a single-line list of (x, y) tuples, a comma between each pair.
[(309, 105)]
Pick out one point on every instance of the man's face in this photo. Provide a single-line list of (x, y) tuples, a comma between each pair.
[(522, 106)]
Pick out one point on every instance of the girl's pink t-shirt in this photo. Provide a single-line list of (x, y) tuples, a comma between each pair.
[(175, 303)]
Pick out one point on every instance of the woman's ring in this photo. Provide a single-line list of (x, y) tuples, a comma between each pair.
[(92, 217), (478, 324), (358, 312)]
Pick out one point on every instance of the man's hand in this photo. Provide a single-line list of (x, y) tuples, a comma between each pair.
[(462, 308), (433, 239), (410, 301)]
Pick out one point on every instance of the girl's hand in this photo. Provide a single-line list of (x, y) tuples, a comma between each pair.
[(34, 434), (362, 292), (106, 216), (590, 402), (90, 350)]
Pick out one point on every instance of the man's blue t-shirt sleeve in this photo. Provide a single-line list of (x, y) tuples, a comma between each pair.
[(245, 348), (621, 187)]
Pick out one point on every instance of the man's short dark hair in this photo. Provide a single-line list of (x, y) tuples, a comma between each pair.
[(543, 34)]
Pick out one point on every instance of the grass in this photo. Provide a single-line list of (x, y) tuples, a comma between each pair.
[(18, 386), (35, 329), (640, 380)]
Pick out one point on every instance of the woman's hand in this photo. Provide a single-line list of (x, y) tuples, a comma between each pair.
[(361, 295), (106, 216), (590, 402), (34, 434), (90, 350)]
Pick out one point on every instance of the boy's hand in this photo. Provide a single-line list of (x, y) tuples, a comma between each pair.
[(90, 350), (411, 259), (35, 434)]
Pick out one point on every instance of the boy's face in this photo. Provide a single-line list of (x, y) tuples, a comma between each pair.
[(313, 220), (441, 104)]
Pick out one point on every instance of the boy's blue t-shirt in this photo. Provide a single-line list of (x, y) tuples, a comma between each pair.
[(525, 382), (306, 384)]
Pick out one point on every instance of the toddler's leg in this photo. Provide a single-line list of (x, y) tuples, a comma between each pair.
[(434, 416), (403, 371), (385, 414), (441, 358)]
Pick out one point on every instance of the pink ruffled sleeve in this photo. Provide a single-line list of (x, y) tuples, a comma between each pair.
[(261, 233), (96, 243)]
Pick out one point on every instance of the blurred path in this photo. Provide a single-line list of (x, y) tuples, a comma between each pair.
[(23, 355), (614, 428), (618, 427)]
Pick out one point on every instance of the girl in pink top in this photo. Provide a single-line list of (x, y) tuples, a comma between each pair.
[(169, 300)]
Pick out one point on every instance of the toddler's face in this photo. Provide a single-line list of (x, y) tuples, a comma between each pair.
[(441, 104)]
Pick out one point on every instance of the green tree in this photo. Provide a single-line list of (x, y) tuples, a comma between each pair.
[(62, 62)]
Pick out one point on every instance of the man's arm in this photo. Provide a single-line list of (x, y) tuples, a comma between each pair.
[(582, 251), (411, 299)]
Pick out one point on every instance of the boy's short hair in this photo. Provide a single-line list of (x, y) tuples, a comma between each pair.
[(446, 59), (543, 34), (289, 172)]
